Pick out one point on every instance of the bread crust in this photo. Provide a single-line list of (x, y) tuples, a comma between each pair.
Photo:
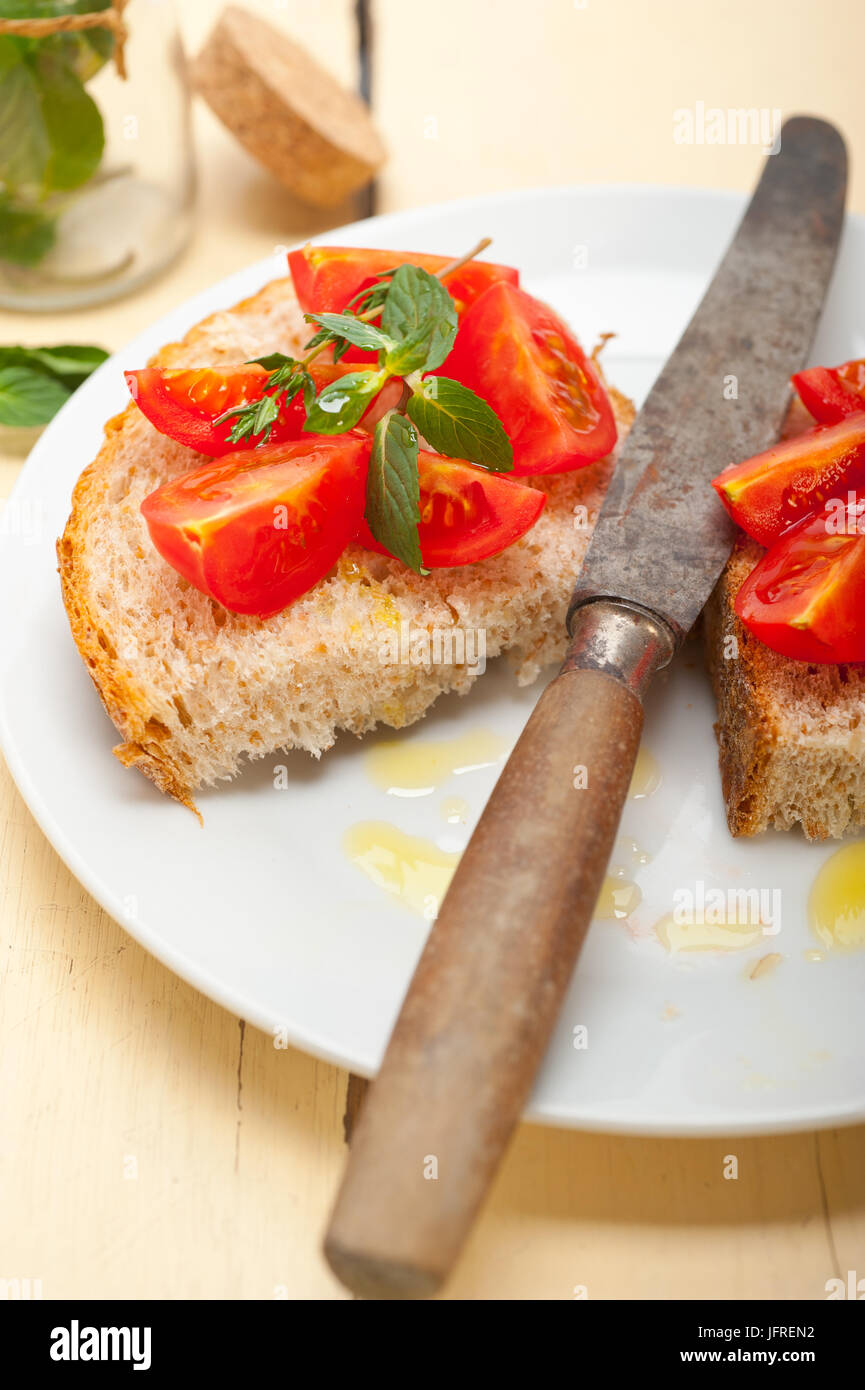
[(790, 733), (145, 745)]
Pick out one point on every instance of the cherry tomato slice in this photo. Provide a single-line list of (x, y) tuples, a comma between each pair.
[(327, 277), (467, 513), (832, 393), (772, 491), (516, 353), (805, 598), (259, 528), (185, 402)]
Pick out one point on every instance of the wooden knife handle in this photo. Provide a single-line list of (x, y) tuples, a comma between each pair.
[(484, 998)]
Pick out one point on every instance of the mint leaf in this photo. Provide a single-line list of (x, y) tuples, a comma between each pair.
[(458, 423), (413, 298), (420, 314), (29, 397), (76, 135), (83, 53), (48, 9), (26, 234), (24, 143), (393, 490), (273, 361), (71, 363), (352, 330), (341, 404)]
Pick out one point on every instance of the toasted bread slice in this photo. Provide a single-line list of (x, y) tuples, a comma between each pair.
[(791, 734), (195, 690)]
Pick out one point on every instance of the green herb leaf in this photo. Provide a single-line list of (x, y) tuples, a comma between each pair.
[(421, 316), (26, 233), (352, 330), (286, 378), (393, 490), (24, 142), (83, 53), (29, 397), (72, 122), (273, 361), (48, 9), (343, 402), (373, 296), (254, 418), (71, 363), (458, 423)]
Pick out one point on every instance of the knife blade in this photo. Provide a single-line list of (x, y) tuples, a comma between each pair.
[(663, 537), (485, 995)]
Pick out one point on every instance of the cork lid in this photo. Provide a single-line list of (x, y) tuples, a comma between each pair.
[(316, 137)]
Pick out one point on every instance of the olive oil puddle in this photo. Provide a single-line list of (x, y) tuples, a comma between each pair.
[(414, 869), (420, 768), (837, 904)]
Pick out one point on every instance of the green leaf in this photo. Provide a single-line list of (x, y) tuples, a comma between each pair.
[(286, 378), (72, 122), (373, 296), (83, 53), (29, 397), (48, 9), (71, 363), (26, 233), (343, 402), (256, 417), (308, 392), (458, 423), (352, 330), (25, 146), (273, 361), (421, 316), (393, 490)]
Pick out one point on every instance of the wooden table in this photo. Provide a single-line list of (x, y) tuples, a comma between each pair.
[(151, 1145)]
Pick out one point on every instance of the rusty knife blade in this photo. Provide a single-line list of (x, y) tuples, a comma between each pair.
[(663, 537)]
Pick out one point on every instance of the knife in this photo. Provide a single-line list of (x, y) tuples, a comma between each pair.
[(486, 992)]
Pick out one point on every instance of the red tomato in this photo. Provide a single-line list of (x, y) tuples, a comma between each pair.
[(467, 513), (772, 491), (832, 393), (516, 353), (258, 529), (327, 277), (806, 597), (184, 402)]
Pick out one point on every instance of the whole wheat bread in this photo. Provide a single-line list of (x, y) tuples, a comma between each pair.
[(791, 734), (195, 690)]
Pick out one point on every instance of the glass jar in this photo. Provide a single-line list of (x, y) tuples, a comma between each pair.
[(96, 171)]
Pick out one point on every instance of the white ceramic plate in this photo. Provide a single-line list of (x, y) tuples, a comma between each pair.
[(262, 909)]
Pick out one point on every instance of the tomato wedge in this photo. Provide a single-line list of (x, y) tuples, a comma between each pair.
[(516, 353), (185, 402), (806, 597), (467, 513), (327, 277), (772, 491), (258, 529), (832, 393)]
